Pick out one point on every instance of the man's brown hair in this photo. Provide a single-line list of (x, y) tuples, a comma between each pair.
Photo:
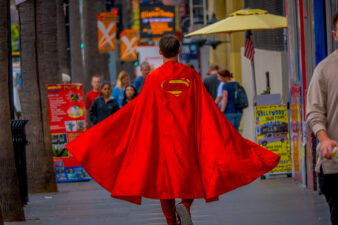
[(213, 67), (335, 21), (225, 73), (169, 45)]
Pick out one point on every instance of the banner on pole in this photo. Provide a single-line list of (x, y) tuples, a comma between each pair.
[(129, 42), (106, 28), (67, 121), (272, 133)]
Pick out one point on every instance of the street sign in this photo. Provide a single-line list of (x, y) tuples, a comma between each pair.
[(106, 28), (129, 42)]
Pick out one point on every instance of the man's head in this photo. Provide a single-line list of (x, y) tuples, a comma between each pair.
[(145, 69), (96, 83), (213, 68), (335, 26), (169, 46)]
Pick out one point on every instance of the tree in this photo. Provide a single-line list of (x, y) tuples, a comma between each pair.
[(91, 54), (75, 42), (1, 220), (62, 42), (38, 66), (10, 200), (95, 63)]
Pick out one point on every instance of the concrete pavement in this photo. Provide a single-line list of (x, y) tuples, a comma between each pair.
[(275, 201)]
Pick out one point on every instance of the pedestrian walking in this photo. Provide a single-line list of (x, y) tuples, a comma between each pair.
[(94, 93), (170, 142), (103, 106), (139, 81), (211, 82), (122, 82), (129, 94), (219, 95), (228, 106), (322, 118)]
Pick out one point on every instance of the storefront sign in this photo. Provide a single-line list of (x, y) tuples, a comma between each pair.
[(272, 133), (106, 28), (297, 133), (155, 21), (67, 121)]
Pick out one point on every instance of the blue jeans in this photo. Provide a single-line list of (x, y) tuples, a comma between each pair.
[(234, 118)]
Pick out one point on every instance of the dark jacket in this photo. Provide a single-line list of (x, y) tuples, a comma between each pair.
[(100, 109), (211, 84)]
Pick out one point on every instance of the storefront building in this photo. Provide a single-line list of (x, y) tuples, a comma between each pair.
[(309, 42)]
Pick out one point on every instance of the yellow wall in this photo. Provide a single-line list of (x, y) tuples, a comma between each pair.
[(227, 55)]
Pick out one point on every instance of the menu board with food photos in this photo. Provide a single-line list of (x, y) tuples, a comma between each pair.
[(67, 121)]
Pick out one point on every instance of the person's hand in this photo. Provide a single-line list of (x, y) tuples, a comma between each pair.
[(326, 147)]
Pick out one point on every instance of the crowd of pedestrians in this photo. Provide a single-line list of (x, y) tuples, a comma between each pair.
[(105, 99)]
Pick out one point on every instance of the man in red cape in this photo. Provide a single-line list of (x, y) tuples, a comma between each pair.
[(170, 142)]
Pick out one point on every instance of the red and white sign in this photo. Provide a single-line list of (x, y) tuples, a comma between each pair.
[(67, 122)]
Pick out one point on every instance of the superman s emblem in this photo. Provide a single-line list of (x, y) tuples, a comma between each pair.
[(176, 87)]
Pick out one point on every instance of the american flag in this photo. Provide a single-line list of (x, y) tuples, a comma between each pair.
[(249, 50)]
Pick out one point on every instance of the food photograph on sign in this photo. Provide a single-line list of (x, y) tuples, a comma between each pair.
[(59, 142)]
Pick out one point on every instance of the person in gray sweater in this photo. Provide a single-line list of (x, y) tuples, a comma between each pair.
[(211, 82), (322, 118)]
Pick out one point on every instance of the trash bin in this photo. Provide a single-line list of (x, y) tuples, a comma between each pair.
[(19, 143)]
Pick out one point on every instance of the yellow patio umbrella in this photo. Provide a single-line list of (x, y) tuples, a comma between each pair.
[(243, 20)]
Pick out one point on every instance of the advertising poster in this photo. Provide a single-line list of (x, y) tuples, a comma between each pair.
[(155, 21), (296, 133), (272, 133), (106, 29), (129, 41), (67, 122)]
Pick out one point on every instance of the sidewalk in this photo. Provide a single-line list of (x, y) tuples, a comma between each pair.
[(276, 201)]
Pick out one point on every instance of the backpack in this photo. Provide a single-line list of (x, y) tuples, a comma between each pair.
[(241, 99)]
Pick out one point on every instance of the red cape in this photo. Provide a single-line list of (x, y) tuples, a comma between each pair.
[(170, 142)]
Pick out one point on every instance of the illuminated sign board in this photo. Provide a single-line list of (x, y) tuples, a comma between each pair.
[(155, 21)]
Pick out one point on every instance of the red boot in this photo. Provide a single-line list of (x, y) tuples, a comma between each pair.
[(168, 209)]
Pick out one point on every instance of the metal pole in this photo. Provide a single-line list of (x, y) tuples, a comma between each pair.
[(10, 66), (254, 80), (204, 12), (191, 4)]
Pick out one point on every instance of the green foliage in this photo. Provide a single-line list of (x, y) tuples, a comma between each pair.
[(15, 37), (267, 91)]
